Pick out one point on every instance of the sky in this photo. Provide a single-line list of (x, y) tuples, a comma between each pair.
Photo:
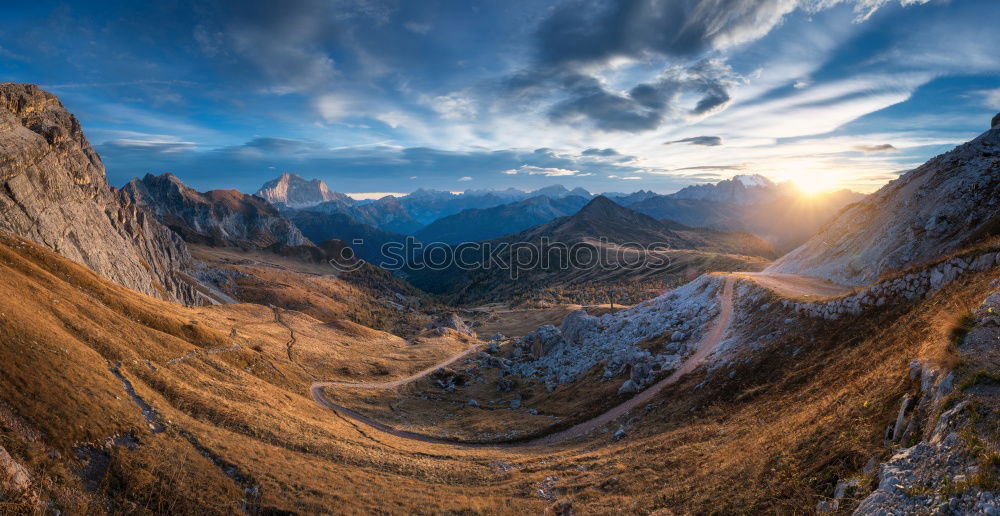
[(612, 96)]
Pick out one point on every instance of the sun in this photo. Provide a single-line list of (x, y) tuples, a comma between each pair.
[(815, 185)]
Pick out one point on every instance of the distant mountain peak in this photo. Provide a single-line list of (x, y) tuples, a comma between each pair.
[(742, 189), (753, 180), (601, 205), (294, 191)]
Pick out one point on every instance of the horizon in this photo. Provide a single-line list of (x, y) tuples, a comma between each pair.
[(369, 196), (372, 96)]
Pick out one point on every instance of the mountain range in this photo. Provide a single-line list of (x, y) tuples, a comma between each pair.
[(218, 217), (779, 213), (602, 231), (474, 225)]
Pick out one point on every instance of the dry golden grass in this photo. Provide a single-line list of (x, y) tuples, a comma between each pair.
[(775, 438)]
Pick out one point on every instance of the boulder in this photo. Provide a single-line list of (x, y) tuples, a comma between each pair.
[(451, 321), (13, 472), (506, 384), (629, 387), (540, 342), (576, 325)]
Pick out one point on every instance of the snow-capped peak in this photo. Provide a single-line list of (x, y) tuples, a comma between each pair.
[(754, 180)]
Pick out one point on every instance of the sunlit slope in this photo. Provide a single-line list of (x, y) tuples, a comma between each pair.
[(229, 423)]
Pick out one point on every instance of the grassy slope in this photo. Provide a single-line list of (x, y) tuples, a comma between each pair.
[(775, 437)]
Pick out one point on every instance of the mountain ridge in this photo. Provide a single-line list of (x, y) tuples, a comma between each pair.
[(942, 205), (216, 217), (56, 193)]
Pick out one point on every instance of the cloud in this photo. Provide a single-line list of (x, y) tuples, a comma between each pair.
[(868, 149), (630, 178), (710, 167), (600, 152), (591, 31), (707, 141), (583, 41), (991, 98), (541, 171), (283, 145), (331, 107), (647, 105), (152, 146), (417, 28), (454, 106), (465, 178)]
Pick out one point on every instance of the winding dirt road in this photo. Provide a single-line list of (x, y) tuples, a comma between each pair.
[(796, 286), (708, 343)]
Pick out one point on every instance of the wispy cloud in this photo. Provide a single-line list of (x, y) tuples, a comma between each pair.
[(885, 147), (541, 171), (707, 141)]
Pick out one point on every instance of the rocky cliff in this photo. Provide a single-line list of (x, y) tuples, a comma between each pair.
[(55, 192), (218, 217), (948, 203)]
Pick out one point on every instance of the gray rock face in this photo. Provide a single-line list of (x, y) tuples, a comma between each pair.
[(219, 217), (55, 193), (996, 121), (949, 202)]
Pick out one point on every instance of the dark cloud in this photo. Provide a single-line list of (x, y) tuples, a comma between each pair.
[(708, 141), (282, 145), (581, 36), (646, 106), (868, 149), (581, 32)]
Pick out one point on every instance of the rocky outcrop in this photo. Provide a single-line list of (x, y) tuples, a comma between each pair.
[(563, 356), (450, 321), (996, 121), (55, 193), (13, 473), (948, 203), (218, 217), (906, 287), (949, 470), (294, 191)]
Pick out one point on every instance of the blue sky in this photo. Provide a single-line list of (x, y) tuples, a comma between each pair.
[(390, 96)]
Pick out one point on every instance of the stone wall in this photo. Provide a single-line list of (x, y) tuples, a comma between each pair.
[(908, 287)]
